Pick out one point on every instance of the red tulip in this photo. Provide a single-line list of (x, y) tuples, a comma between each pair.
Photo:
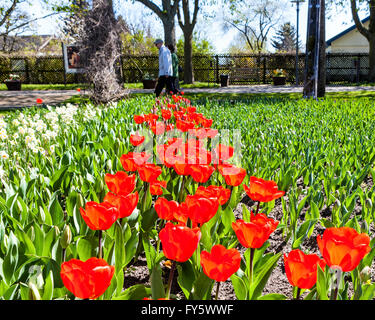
[(78, 89), (179, 242), (221, 263), (206, 123), (301, 268), (166, 114), (157, 127), (222, 153), (149, 172), (201, 209), (120, 183), (255, 233), (181, 215), (139, 119), (181, 167), (233, 175), (169, 127), (343, 247), (99, 216), (125, 204), (200, 173), (191, 109), (87, 280), (166, 209), (151, 117), (39, 100), (156, 187), (178, 115), (263, 190), (221, 193), (184, 126), (136, 140), (132, 160)]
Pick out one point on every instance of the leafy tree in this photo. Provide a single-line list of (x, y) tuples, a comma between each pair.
[(368, 7), (72, 25), (254, 20), (285, 39), (199, 46), (14, 20), (167, 14)]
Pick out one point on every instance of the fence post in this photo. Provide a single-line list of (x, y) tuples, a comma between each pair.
[(358, 69), (217, 69), (27, 70), (264, 68)]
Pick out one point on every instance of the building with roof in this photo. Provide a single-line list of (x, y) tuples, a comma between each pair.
[(349, 40)]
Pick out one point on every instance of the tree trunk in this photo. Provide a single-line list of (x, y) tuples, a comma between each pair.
[(322, 53), (314, 84), (188, 58), (187, 27), (371, 72), (166, 13), (369, 34), (169, 31)]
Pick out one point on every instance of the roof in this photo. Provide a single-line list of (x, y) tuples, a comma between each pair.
[(329, 42)]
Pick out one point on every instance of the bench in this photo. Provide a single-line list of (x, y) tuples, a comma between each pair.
[(244, 74)]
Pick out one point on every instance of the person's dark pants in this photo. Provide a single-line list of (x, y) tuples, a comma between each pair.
[(175, 85), (164, 81)]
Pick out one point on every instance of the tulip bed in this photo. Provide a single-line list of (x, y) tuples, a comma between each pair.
[(197, 192)]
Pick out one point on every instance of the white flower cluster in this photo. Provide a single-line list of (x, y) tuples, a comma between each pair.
[(38, 132)]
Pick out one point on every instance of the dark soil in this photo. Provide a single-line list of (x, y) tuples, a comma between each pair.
[(278, 282)]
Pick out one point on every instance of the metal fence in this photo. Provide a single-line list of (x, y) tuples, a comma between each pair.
[(341, 68)]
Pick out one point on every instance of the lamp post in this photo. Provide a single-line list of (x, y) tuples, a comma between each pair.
[(297, 2)]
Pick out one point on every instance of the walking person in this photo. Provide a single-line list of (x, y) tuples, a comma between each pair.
[(175, 83), (165, 68)]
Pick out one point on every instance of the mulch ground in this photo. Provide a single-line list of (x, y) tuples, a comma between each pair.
[(278, 282)]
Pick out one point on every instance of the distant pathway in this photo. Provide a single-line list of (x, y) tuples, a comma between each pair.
[(17, 99), (265, 88)]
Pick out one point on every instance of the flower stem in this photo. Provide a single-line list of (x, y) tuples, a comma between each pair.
[(100, 244), (338, 273), (170, 280), (258, 206), (298, 293), (145, 188), (217, 290), (180, 198), (252, 251)]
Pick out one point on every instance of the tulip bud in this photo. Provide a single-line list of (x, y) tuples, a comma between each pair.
[(57, 230), (66, 238), (365, 274), (31, 233), (336, 205), (368, 203), (34, 292), (364, 227), (109, 164)]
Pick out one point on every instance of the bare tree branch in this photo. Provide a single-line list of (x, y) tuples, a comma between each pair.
[(28, 22), (360, 27)]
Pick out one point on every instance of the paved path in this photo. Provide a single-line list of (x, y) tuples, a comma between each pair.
[(265, 88), (17, 99)]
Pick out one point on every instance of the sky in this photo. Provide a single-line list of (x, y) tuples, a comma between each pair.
[(336, 23)]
